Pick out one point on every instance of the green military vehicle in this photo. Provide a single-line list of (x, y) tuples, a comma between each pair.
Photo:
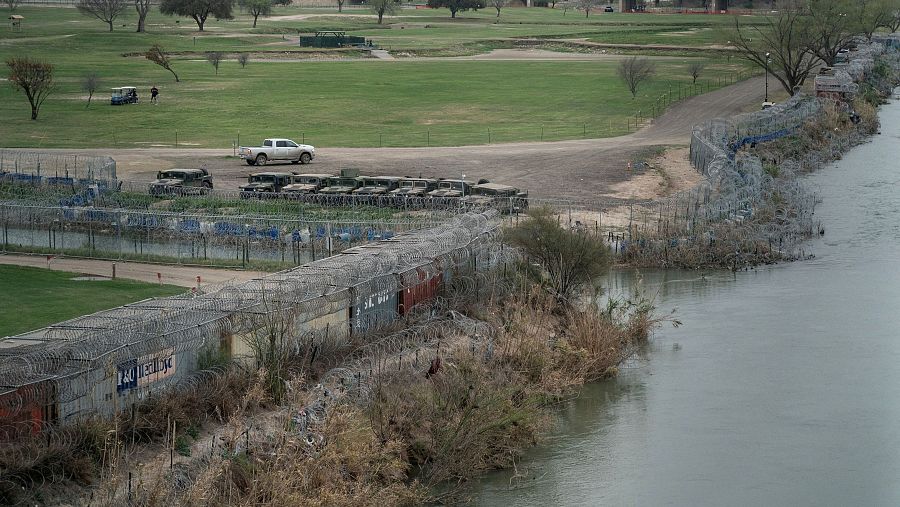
[(307, 184), (346, 183), (266, 183), (415, 187), (452, 188), (504, 197), (181, 182), (378, 185)]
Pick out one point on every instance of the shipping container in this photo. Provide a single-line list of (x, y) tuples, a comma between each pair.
[(26, 409), (375, 304), (105, 391), (426, 286)]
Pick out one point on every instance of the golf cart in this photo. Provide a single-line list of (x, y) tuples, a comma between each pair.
[(124, 95)]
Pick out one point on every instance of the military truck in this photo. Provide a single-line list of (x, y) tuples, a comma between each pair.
[(181, 182), (415, 187), (337, 185), (378, 185), (505, 197), (346, 183), (307, 184), (266, 183), (452, 188)]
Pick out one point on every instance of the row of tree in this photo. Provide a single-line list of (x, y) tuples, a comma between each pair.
[(803, 34), (198, 10)]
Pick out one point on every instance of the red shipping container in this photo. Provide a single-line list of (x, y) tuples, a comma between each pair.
[(423, 291)]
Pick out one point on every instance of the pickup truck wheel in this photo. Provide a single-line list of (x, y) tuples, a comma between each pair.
[(305, 158), (261, 159)]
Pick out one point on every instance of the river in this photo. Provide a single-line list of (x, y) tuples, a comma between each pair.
[(781, 388)]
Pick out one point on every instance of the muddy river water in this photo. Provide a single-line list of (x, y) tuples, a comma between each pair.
[(781, 388)]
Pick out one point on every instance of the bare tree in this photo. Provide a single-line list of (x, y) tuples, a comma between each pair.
[(12, 4), (341, 5), (257, 8), (634, 71), (870, 15), (104, 10), (382, 7), (498, 4), (89, 83), (143, 8), (586, 6), (243, 58), (571, 260), (893, 21), (158, 55), (780, 44), (829, 27), (214, 58), (695, 69), (33, 77)]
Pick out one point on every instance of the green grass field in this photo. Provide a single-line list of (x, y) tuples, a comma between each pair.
[(31, 297), (354, 102)]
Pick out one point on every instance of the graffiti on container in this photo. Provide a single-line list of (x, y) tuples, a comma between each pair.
[(146, 370)]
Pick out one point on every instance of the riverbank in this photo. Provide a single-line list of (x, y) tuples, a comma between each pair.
[(781, 387), (754, 207), (448, 395)]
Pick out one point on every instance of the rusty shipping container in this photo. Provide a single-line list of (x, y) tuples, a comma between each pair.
[(425, 290), (26, 409)]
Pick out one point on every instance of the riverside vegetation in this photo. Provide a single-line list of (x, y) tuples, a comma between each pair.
[(782, 215), (474, 402)]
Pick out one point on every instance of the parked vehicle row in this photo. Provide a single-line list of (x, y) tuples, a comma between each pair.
[(287, 184), (364, 189)]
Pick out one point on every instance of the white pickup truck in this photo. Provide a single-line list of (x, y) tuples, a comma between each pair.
[(278, 149)]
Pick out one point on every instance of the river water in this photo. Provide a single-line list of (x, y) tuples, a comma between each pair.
[(781, 388)]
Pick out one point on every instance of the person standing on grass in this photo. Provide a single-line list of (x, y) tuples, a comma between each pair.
[(154, 95)]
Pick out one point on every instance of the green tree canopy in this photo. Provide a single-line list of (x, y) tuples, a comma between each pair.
[(457, 5), (199, 10)]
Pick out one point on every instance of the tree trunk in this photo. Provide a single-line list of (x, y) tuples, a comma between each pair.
[(90, 96), (340, 7), (498, 12), (254, 20), (142, 18), (452, 13), (110, 25), (587, 12), (380, 15), (34, 112)]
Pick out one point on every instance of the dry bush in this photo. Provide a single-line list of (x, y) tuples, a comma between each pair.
[(31, 464), (213, 394)]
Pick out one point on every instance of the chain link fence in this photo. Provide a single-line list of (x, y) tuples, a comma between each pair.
[(57, 169)]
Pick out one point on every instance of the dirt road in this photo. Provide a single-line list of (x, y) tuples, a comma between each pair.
[(184, 276), (584, 170)]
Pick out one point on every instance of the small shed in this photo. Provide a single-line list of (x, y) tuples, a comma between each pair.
[(15, 22)]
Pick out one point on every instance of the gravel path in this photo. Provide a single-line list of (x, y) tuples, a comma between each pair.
[(184, 276)]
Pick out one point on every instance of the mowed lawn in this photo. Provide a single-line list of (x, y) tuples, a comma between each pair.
[(365, 103), (31, 298)]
